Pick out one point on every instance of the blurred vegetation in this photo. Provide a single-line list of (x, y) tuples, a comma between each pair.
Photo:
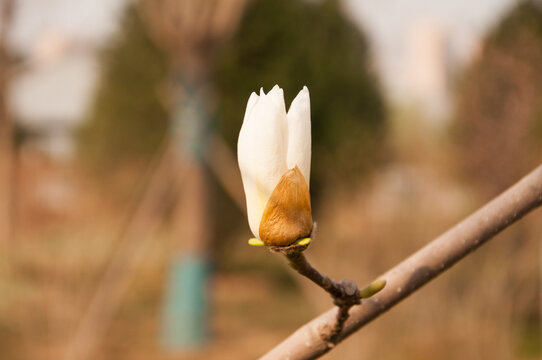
[(499, 111), (296, 43), (290, 43), (127, 120)]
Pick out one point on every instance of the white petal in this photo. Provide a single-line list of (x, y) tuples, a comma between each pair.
[(252, 100), (261, 152), (277, 96), (299, 134)]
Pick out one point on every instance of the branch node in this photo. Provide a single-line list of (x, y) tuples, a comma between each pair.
[(349, 287)]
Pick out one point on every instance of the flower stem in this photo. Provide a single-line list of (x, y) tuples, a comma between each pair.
[(345, 293)]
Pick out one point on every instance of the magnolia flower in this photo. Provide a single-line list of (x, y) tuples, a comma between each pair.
[(274, 151)]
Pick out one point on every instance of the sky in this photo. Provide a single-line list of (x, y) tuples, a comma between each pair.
[(74, 31), (90, 21), (60, 40), (389, 22)]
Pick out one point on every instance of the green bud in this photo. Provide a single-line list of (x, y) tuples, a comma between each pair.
[(255, 242), (304, 241), (372, 288)]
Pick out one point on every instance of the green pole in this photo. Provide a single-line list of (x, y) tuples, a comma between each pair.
[(186, 303)]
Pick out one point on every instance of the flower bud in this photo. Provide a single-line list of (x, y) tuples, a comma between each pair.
[(274, 153)]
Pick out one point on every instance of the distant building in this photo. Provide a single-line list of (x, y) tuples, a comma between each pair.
[(418, 46), (427, 69)]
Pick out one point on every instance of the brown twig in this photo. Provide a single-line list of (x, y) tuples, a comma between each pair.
[(420, 268), (345, 293), (299, 263)]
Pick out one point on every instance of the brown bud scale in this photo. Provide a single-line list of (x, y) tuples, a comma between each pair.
[(287, 214)]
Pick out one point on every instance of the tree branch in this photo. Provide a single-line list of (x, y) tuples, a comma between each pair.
[(345, 293), (300, 264), (308, 342)]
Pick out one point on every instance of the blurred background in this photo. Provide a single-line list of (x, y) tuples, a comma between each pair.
[(123, 232)]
